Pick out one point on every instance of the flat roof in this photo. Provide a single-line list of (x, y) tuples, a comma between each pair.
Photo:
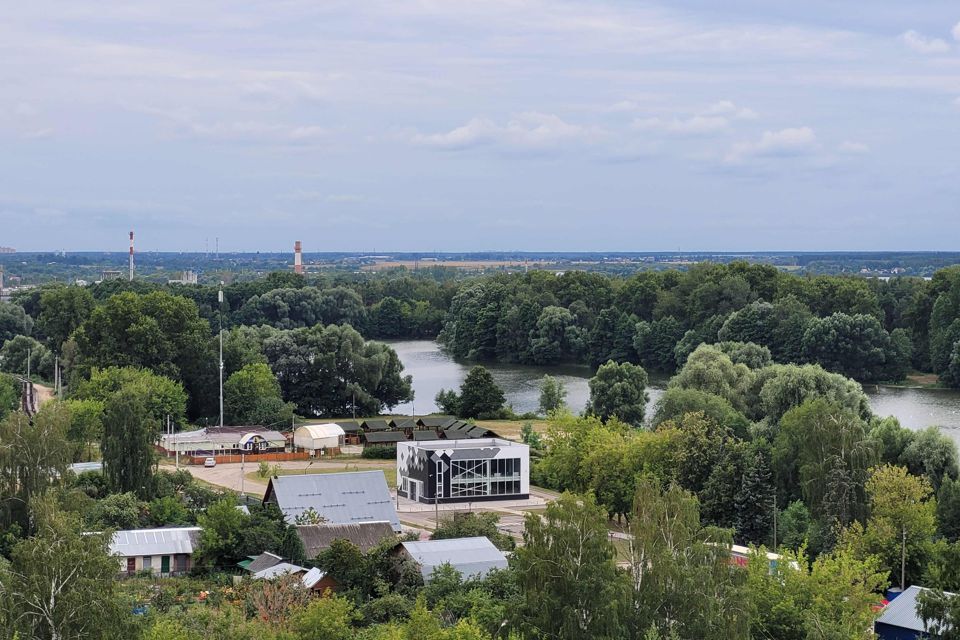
[(474, 443)]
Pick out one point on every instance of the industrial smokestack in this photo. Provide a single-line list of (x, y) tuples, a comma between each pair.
[(131, 255), (297, 258)]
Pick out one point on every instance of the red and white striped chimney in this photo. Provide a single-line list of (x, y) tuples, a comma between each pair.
[(297, 258), (131, 255)]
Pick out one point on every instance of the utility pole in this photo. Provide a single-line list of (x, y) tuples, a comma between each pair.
[(220, 321), (903, 560), (775, 523)]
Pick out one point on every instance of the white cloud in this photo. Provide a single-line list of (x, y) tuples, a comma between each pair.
[(956, 102), (622, 106), (794, 141), (696, 125), (728, 108), (922, 44), (853, 148), (956, 32), (43, 132), (255, 132), (531, 130)]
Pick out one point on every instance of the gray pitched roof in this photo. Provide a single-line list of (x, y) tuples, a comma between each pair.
[(377, 437), (376, 425), (902, 612), (278, 570), (264, 561), (425, 434), (436, 422), (349, 427), (366, 535), (470, 556), (154, 542), (340, 498)]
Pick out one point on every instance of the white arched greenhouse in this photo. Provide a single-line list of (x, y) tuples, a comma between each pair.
[(326, 438)]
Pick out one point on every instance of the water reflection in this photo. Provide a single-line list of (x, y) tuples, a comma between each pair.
[(432, 370)]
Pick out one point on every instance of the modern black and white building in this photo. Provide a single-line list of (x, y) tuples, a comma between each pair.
[(463, 470)]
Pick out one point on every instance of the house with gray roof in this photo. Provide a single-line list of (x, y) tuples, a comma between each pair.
[(899, 619), (376, 425), (223, 441), (338, 498), (384, 437), (317, 538), (471, 557), (255, 564), (164, 551), (435, 422)]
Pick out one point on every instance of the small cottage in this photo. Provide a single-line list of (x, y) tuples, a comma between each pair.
[(166, 551), (470, 557)]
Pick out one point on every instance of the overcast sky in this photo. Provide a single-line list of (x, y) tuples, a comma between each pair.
[(493, 124)]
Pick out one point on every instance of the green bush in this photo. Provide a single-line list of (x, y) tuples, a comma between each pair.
[(379, 452)]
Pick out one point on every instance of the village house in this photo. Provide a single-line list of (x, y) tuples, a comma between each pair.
[(336, 498), (470, 557), (213, 441), (899, 619), (165, 552), (317, 538)]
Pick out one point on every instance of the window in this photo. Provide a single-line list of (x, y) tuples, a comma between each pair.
[(438, 470), (147, 562), (475, 478)]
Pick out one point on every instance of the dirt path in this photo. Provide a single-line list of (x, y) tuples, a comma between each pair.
[(44, 394)]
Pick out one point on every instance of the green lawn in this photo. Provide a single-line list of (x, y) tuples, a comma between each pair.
[(388, 467)]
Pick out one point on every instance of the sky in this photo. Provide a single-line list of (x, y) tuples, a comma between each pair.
[(454, 125)]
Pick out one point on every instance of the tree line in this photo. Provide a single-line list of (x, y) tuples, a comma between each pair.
[(871, 330)]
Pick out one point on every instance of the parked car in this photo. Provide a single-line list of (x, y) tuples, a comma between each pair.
[(210, 462)]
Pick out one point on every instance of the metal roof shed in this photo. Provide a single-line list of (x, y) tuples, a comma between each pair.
[(469, 556), (899, 619), (339, 498)]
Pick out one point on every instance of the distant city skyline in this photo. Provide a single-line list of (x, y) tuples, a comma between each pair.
[(521, 125)]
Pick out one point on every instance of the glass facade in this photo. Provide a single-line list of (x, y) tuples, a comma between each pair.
[(478, 478)]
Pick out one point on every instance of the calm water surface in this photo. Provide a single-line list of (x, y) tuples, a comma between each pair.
[(433, 369)]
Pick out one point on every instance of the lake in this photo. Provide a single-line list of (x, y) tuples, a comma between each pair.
[(433, 369)]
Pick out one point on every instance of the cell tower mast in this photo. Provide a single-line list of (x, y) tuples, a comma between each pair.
[(131, 255)]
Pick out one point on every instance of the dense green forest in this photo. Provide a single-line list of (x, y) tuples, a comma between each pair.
[(869, 329)]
